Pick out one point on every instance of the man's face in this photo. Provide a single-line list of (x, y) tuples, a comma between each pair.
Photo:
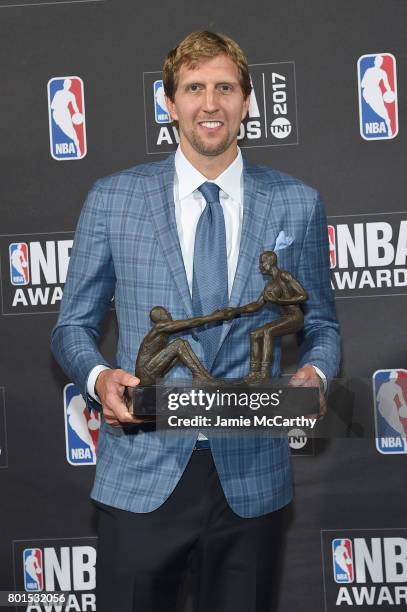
[(209, 106)]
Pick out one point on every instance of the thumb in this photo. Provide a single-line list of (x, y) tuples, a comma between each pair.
[(128, 380), (299, 377)]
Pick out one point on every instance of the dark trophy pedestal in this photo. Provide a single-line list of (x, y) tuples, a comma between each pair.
[(144, 403)]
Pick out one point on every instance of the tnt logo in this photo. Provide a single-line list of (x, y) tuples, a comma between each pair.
[(390, 408), (332, 246), (301, 442), (81, 428), (297, 438), (160, 108), (66, 110), (33, 573), (378, 111), (19, 270), (342, 557)]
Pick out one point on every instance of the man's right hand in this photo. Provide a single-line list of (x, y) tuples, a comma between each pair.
[(111, 387)]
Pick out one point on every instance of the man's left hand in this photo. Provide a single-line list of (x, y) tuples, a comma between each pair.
[(307, 377)]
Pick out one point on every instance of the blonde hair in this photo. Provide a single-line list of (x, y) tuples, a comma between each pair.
[(203, 45)]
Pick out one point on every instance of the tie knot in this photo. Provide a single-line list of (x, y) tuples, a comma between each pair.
[(210, 192)]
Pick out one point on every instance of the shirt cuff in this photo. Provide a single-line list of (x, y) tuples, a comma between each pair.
[(322, 377), (90, 385)]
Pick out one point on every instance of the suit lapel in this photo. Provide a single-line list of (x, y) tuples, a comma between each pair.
[(159, 196), (257, 198)]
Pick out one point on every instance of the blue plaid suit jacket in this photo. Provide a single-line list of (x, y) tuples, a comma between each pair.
[(126, 245)]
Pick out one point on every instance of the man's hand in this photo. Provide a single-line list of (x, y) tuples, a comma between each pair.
[(111, 387), (307, 377)]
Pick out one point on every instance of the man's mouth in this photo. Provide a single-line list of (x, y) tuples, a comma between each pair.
[(211, 125)]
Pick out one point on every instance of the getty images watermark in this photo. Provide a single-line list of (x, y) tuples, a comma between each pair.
[(221, 400), (370, 408), (233, 406)]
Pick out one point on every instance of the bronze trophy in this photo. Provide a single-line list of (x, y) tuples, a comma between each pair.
[(157, 354)]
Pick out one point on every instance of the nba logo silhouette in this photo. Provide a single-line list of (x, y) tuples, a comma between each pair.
[(390, 410), (378, 111), (160, 108), (33, 570), (332, 246), (66, 112), (81, 428), (342, 559), (19, 269)]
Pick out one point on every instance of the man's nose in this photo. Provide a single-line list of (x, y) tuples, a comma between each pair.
[(210, 104)]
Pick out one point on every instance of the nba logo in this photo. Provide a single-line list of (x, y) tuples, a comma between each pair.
[(342, 558), (81, 428), (33, 572), (66, 112), (332, 246), (377, 81), (160, 108), (390, 409), (19, 270)]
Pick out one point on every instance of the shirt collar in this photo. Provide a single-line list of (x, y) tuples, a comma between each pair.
[(189, 178)]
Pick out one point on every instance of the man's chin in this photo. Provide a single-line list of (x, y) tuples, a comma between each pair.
[(210, 149)]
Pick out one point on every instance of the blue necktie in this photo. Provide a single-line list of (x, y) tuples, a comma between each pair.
[(210, 277)]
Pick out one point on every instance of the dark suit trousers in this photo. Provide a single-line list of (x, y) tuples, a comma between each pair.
[(143, 559)]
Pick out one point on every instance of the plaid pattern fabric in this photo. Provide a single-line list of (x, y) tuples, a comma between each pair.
[(126, 246)]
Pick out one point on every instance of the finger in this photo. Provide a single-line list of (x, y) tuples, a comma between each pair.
[(322, 408), (124, 415), (112, 422), (117, 396), (300, 379), (305, 376), (115, 423), (303, 372), (322, 405), (110, 417), (114, 407), (126, 379)]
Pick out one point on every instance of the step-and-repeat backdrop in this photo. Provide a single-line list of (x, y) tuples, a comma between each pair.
[(82, 97)]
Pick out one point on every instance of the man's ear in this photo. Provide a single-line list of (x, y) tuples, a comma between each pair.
[(171, 108), (246, 104)]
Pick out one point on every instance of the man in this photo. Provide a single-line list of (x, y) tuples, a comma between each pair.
[(178, 233)]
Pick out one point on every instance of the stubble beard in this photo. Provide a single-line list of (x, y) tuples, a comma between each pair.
[(207, 149)]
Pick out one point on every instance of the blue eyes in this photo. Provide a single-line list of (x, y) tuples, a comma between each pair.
[(196, 87)]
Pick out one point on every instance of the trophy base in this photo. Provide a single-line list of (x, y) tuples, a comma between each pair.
[(144, 403)]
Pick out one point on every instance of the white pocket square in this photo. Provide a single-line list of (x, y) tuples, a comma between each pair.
[(283, 241)]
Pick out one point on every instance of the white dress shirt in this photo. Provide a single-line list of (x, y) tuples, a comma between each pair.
[(189, 205)]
